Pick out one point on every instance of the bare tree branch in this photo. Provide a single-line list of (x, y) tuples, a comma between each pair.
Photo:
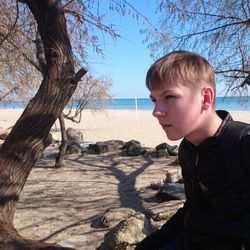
[(9, 92), (218, 30), (245, 22), (13, 26)]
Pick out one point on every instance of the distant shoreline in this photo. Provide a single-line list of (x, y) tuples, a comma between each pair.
[(228, 103)]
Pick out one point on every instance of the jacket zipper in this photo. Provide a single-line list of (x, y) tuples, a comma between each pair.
[(203, 187), (195, 166), (196, 160)]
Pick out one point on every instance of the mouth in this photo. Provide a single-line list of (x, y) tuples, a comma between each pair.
[(166, 126)]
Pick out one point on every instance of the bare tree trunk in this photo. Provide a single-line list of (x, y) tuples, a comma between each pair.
[(29, 136), (64, 142)]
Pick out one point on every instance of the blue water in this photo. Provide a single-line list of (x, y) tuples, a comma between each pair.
[(227, 103)]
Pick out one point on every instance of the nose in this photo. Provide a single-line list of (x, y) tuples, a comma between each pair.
[(158, 112)]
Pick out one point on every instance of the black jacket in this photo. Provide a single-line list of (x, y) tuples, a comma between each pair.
[(213, 213)]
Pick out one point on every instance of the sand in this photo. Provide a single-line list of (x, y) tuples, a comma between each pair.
[(65, 205), (106, 125), (114, 124)]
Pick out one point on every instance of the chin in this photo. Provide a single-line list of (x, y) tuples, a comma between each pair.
[(173, 137)]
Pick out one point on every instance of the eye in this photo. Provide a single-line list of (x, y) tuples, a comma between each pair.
[(153, 100), (169, 97)]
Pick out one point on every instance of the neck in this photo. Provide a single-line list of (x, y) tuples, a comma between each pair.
[(208, 128)]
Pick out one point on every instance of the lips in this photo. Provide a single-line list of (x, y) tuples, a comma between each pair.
[(165, 126)]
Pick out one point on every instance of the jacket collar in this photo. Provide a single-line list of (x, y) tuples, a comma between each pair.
[(226, 119)]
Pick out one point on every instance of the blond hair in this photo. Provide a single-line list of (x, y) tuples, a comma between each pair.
[(186, 68)]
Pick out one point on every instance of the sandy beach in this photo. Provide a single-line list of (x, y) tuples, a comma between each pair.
[(114, 124), (106, 125), (65, 205)]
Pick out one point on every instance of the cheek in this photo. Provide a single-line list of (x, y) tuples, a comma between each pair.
[(186, 114)]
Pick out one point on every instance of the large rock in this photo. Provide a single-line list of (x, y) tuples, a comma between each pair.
[(113, 216), (74, 147), (161, 153), (105, 146), (165, 215), (172, 191), (98, 148), (127, 233), (174, 176), (74, 135), (171, 150), (115, 144), (134, 148)]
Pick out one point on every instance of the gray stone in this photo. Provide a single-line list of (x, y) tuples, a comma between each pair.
[(113, 216), (173, 176), (166, 215), (99, 148), (172, 150), (126, 233), (128, 144), (73, 147), (134, 148), (74, 135), (161, 146), (172, 191), (105, 146), (162, 153), (115, 144)]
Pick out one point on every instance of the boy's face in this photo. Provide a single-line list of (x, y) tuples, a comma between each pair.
[(178, 110)]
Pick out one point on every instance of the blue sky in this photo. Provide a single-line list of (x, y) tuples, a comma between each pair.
[(127, 59)]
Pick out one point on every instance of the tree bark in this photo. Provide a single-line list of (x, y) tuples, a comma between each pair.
[(64, 142), (29, 136)]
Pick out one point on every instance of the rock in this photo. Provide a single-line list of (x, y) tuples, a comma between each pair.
[(115, 144), (173, 176), (105, 146), (156, 186), (113, 216), (98, 148), (3, 134), (126, 233), (74, 135), (134, 148), (161, 146), (166, 215), (128, 144), (172, 150), (73, 147), (172, 191), (161, 153)]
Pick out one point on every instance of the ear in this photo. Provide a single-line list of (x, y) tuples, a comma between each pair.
[(208, 97)]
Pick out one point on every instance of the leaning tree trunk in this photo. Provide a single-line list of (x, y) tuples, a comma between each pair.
[(64, 142), (29, 136)]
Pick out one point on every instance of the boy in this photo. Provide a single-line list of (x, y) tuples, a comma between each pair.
[(215, 216)]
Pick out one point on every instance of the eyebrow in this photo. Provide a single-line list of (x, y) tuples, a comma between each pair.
[(164, 93)]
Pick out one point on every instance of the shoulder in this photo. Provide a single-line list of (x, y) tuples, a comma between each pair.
[(237, 137), (235, 130), (245, 142)]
